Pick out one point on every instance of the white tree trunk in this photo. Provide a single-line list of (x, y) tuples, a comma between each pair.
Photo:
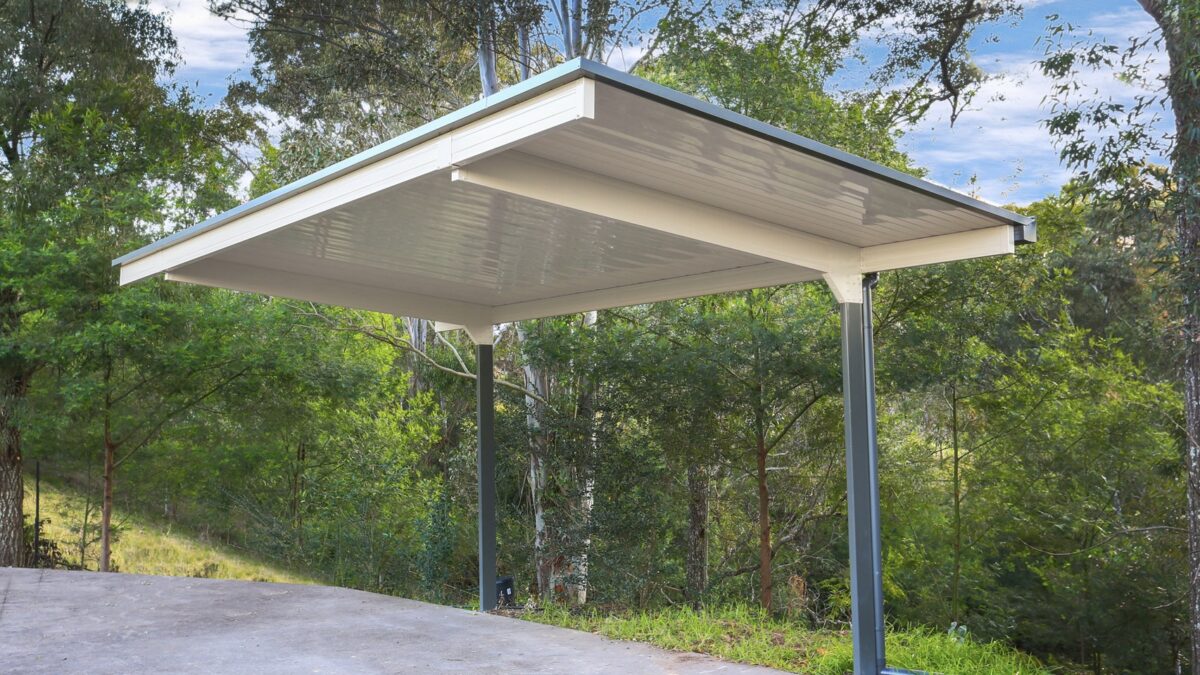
[(577, 585), (487, 48), (537, 381), (418, 337), (576, 28)]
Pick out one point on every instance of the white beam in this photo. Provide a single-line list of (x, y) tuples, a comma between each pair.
[(241, 277), (736, 279), (545, 181), (998, 240)]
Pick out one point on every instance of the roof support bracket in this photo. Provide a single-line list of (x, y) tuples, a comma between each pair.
[(480, 332), (846, 286)]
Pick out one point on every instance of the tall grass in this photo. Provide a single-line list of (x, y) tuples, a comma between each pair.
[(142, 545), (750, 636)]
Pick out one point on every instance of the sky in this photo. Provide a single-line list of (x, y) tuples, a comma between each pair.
[(996, 150)]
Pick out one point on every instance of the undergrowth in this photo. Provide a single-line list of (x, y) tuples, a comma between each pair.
[(749, 635)]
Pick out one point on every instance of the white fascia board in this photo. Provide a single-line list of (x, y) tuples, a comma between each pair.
[(503, 129), (323, 290), (982, 243), (512, 126), (567, 187), (740, 278)]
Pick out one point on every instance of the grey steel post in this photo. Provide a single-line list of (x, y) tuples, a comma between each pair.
[(862, 484), (37, 512), (869, 282), (486, 469)]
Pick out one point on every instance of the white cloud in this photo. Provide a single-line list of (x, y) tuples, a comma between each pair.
[(1122, 23), (208, 44)]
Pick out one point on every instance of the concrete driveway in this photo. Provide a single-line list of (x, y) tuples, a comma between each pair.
[(76, 622)]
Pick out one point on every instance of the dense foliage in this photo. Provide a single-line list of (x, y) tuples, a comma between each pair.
[(684, 453)]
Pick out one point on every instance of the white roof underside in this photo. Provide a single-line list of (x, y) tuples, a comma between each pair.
[(583, 189)]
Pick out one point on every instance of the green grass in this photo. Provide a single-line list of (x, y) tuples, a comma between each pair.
[(143, 546), (749, 636)]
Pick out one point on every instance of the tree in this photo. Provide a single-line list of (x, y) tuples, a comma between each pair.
[(666, 373), (148, 357), (1113, 145), (761, 363), (95, 152), (763, 67), (1053, 521)]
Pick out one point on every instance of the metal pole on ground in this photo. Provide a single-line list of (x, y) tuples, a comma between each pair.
[(862, 483), (486, 469)]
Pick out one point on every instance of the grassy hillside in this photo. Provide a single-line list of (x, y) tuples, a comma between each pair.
[(143, 546)]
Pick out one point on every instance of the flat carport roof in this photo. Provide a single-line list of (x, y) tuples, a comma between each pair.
[(584, 188), (581, 188)]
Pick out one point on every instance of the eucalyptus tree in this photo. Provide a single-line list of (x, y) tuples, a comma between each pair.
[(558, 360), (734, 378), (1118, 146), (94, 153)]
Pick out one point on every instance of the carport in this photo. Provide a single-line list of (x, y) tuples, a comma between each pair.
[(586, 188)]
